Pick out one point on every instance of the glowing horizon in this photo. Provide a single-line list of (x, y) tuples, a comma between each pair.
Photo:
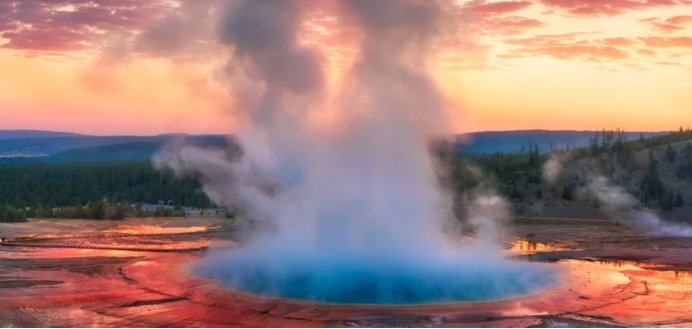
[(109, 69)]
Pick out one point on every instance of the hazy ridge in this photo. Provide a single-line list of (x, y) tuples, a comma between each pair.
[(50, 146)]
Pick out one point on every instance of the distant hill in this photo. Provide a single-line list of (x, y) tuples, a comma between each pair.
[(138, 151), (129, 151), (512, 141), (47, 146), (40, 147), (22, 134)]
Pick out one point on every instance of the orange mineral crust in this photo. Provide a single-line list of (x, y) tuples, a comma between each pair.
[(121, 288)]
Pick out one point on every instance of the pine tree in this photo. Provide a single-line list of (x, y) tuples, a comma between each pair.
[(667, 200), (679, 201), (651, 185), (670, 153), (567, 192)]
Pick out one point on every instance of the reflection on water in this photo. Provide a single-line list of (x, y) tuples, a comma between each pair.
[(66, 228), (59, 253), (149, 243), (157, 229), (81, 238), (525, 246), (659, 269)]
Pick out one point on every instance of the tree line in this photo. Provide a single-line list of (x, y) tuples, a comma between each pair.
[(90, 190), (61, 185), (94, 210)]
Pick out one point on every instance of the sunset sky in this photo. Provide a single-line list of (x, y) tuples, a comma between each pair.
[(154, 66)]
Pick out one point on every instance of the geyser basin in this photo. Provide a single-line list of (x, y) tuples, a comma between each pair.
[(365, 279)]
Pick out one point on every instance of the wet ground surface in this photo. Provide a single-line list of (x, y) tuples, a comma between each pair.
[(613, 276)]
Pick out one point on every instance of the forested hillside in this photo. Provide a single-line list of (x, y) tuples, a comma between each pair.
[(47, 185), (70, 184), (655, 170)]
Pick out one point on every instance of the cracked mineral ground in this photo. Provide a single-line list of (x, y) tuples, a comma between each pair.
[(133, 273)]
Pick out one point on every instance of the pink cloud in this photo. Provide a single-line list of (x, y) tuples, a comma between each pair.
[(480, 17), (514, 25), (44, 26), (502, 25), (57, 39), (484, 8), (589, 8), (570, 46)]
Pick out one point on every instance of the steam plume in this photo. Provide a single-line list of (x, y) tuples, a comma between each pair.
[(358, 211), (620, 204), (553, 167), (616, 202)]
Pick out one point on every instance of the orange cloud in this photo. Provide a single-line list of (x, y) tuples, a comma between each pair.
[(572, 52), (590, 8), (667, 42), (684, 19), (666, 28), (646, 52), (617, 42), (670, 25)]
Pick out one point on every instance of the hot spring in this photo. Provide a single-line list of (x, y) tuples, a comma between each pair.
[(364, 279), (355, 194)]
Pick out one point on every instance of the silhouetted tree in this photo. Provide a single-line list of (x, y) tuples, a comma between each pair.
[(670, 153), (651, 185), (679, 201), (567, 192), (667, 200)]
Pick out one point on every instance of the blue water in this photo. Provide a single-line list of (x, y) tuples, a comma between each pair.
[(373, 280)]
